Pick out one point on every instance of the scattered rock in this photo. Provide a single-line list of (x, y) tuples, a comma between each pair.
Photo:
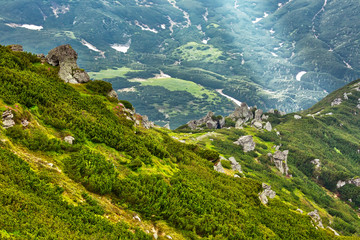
[(257, 125), (355, 181), (69, 139), (300, 211), (113, 94), (340, 184), (146, 123), (25, 123), (266, 193), (219, 168), (66, 57), (297, 117), (246, 142), (16, 48), (8, 119), (264, 117), (316, 218), (268, 126), (333, 230), (236, 176), (210, 121), (336, 102), (137, 218), (168, 237), (235, 165), (317, 163), (346, 96), (280, 160)]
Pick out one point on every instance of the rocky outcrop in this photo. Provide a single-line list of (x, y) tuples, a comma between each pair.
[(66, 57), (242, 112), (8, 119), (280, 160), (219, 168), (316, 218), (297, 117), (16, 48), (146, 123), (235, 165), (266, 193), (247, 142), (209, 121), (258, 114)]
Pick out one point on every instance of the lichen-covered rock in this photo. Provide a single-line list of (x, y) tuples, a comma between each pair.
[(266, 193), (66, 57), (316, 218), (210, 121), (8, 119), (280, 160), (239, 123), (257, 125), (258, 114), (246, 142)]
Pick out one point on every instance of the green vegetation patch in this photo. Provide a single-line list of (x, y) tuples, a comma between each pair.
[(193, 51), (174, 84), (111, 73)]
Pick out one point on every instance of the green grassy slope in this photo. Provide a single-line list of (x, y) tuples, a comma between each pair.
[(115, 171)]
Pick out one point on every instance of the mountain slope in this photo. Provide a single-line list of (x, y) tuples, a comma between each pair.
[(281, 54), (97, 183)]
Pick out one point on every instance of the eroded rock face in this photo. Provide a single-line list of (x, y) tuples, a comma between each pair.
[(280, 160), (246, 142), (66, 57), (316, 218), (266, 193), (8, 119)]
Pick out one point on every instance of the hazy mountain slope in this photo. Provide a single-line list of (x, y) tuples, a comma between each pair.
[(280, 54)]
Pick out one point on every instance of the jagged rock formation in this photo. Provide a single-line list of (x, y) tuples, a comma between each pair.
[(316, 218), (280, 160), (266, 193), (247, 143), (66, 57), (235, 165), (210, 121), (242, 112), (219, 168), (8, 119)]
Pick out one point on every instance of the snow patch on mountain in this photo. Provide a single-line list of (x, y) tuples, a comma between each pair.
[(121, 47), (145, 27), (300, 75), (27, 26), (92, 47)]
